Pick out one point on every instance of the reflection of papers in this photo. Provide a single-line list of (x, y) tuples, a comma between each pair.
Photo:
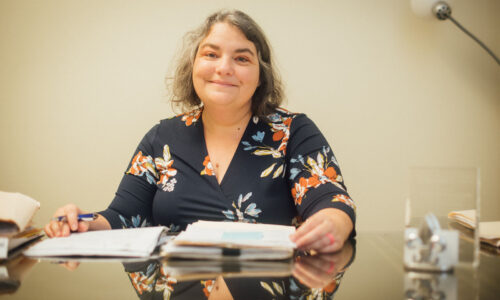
[(13, 272), (231, 241), (133, 242), (220, 253), (185, 270), (489, 232)]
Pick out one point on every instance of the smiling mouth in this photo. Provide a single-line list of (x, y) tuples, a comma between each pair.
[(222, 83)]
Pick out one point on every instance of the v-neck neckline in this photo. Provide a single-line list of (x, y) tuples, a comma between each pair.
[(232, 161)]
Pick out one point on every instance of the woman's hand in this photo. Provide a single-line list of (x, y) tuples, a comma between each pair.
[(320, 271), (70, 265), (323, 232), (64, 228)]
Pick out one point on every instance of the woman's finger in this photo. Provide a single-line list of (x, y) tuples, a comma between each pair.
[(304, 276), (71, 212), (72, 219), (48, 230), (54, 226), (65, 230), (323, 243), (83, 226), (70, 265), (305, 228), (318, 263), (312, 235)]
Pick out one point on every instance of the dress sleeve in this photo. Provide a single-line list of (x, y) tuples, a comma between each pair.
[(132, 205), (314, 174)]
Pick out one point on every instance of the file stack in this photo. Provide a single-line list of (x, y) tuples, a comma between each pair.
[(16, 212), (231, 241)]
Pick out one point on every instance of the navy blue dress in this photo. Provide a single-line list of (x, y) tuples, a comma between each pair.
[(282, 172)]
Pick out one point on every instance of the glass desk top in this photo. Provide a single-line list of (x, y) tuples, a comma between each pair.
[(372, 269)]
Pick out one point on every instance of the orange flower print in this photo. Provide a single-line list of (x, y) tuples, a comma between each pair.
[(141, 282), (208, 285), (209, 169), (278, 135), (317, 168), (330, 288), (331, 173), (344, 199), (191, 117), (321, 170), (164, 167), (143, 165), (281, 128), (299, 190), (313, 181), (165, 283)]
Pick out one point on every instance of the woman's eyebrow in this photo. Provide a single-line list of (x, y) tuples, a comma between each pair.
[(215, 47), (243, 50)]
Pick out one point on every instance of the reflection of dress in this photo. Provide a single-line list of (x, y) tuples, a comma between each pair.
[(151, 281), (283, 171)]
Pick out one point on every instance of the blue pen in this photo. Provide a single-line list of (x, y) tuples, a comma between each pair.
[(83, 217)]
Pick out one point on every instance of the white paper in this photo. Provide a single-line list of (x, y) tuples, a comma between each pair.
[(235, 234), (133, 242), (489, 230)]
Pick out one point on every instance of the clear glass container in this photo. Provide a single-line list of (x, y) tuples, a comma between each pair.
[(441, 191)]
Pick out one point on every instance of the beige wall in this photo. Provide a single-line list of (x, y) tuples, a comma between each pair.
[(82, 81)]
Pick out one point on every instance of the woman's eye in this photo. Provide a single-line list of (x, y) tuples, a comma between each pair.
[(211, 55), (242, 59)]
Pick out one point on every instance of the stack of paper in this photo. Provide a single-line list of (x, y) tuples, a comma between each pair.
[(133, 242), (16, 212), (231, 241), (489, 232)]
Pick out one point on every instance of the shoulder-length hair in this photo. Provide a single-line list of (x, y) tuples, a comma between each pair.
[(268, 95)]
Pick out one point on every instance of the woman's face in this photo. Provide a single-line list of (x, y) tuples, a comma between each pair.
[(226, 68)]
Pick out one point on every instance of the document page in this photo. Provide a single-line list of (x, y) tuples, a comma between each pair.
[(133, 242)]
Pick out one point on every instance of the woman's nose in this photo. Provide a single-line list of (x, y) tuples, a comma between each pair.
[(225, 66)]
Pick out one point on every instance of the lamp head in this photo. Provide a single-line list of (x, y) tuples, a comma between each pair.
[(431, 8)]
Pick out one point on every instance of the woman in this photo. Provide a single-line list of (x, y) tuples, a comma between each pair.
[(235, 156)]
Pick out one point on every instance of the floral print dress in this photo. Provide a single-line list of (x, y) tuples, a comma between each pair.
[(282, 172)]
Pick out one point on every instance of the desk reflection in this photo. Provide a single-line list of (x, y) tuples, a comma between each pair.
[(304, 277), (12, 273), (377, 273)]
